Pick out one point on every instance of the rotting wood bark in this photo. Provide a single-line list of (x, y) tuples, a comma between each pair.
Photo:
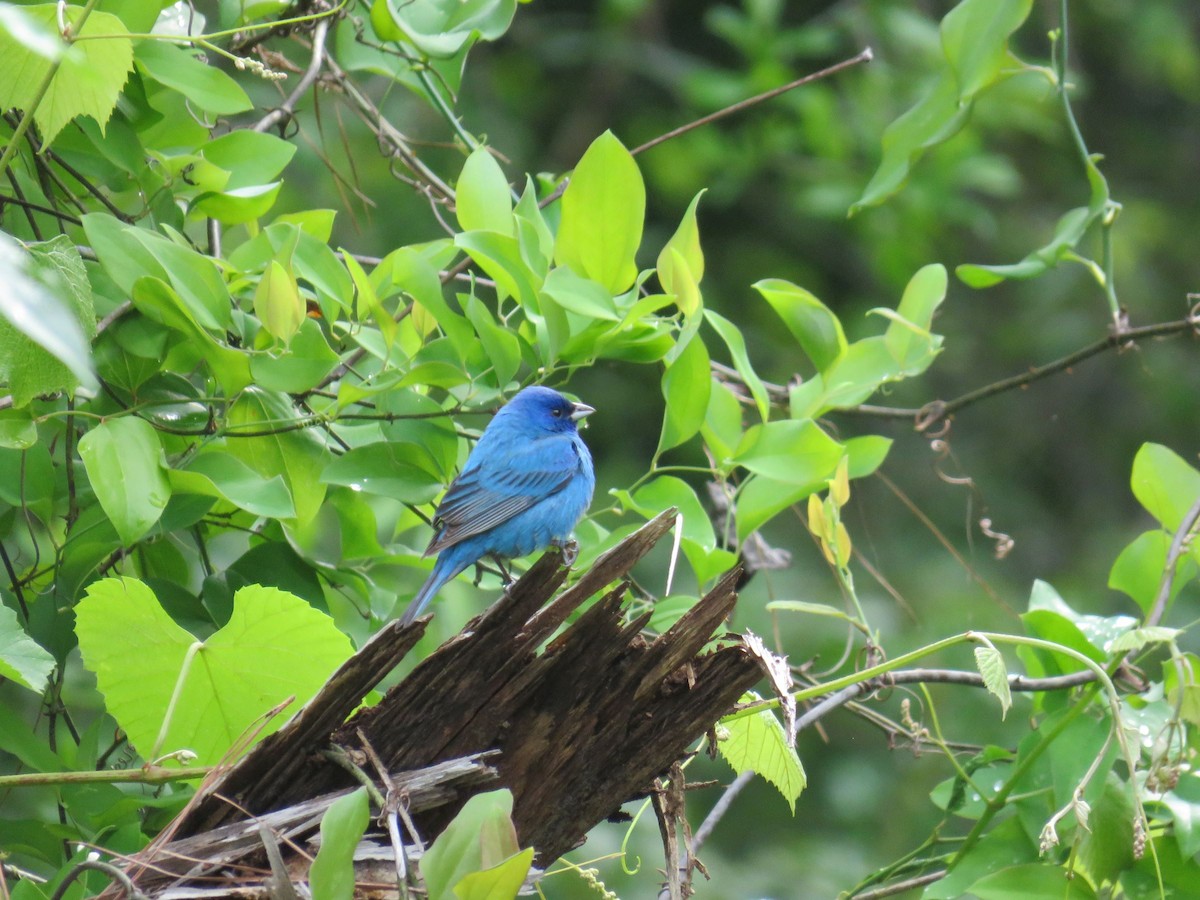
[(582, 723)]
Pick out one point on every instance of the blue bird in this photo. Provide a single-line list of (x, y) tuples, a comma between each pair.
[(525, 486)]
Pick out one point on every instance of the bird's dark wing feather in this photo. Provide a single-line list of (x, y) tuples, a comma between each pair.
[(482, 499)]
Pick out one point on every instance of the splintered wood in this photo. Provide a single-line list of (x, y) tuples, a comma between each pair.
[(575, 719)]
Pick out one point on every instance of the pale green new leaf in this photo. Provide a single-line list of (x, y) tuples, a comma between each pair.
[(681, 263), (22, 659), (602, 216), (811, 322), (1138, 569), (758, 743), (794, 452), (275, 646), (1139, 637), (46, 319), (908, 335), (685, 386), (480, 836), (990, 663), (1165, 484), (736, 343), (482, 200), (501, 882), (90, 75), (124, 462), (277, 302), (26, 31)]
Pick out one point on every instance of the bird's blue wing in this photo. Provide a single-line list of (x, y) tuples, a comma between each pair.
[(489, 495)]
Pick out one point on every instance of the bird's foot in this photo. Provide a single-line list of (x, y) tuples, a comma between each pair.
[(569, 550), (509, 578)]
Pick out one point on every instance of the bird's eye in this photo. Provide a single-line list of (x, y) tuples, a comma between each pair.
[(557, 413)]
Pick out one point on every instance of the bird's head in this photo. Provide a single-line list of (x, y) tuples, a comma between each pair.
[(547, 409)]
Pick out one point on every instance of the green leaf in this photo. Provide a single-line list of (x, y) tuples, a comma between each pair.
[(1183, 803), (180, 70), (722, 428), (30, 33), (1000, 847), (602, 216), (238, 205), (129, 253), (250, 157), (908, 337), (667, 491), (990, 663), (934, 119), (277, 302), (331, 875), (46, 319), (479, 837), (502, 347), (975, 43), (389, 470), (685, 386), (219, 474), (161, 303), (814, 609), (791, 452), (124, 462), (88, 81), (1031, 881), (811, 322), (1138, 638), (483, 201), (760, 499), (866, 454), (1165, 484), (277, 448), (501, 882), (298, 367), (975, 40), (1138, 571), (757, 743), (1067, 233), (22, 659), (580, 295), (681, 263), (441, 28), (736, 343), (17, 430), (169, 691), (499, 255)]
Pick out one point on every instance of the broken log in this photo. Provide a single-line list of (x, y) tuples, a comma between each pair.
[(583, 715)]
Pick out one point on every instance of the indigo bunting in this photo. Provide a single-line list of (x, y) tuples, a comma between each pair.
[(525, 486)]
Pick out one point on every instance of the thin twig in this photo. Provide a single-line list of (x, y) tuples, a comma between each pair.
[(899, 887), (865, 56), (937, 410), (287, 108), (1178, 545)]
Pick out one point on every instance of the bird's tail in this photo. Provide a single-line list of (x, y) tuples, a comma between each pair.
[(446, 567)]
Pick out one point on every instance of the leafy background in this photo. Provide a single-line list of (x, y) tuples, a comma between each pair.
[(148, 479)]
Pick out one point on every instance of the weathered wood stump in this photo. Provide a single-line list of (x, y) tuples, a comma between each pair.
[(574, 720)]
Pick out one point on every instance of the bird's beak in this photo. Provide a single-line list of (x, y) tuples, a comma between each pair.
[(580, 411)]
